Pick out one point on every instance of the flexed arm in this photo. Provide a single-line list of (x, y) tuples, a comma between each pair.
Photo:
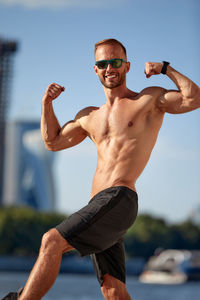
[(186, 99), (56, 138)]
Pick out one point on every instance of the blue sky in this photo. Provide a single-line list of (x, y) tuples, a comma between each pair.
[(56, 40)]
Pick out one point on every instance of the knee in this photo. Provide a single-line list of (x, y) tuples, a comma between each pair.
[(110, 293), (53, 241), (114, 289), (49, 240)]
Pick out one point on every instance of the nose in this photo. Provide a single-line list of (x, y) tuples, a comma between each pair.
[(109, 67)]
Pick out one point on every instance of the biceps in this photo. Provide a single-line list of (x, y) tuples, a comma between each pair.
[(173, 102), (70, 135)]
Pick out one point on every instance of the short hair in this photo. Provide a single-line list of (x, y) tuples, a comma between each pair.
[(109, 41)]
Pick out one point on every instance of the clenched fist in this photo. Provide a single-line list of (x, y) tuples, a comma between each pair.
[(53, 91), (152, 68)]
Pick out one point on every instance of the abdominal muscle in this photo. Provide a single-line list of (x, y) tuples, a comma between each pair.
[(106, 178), (119, 164)]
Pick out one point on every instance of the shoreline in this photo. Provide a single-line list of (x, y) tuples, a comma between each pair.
[(71, 263)]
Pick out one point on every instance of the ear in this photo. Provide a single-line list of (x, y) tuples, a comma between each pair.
[(96, 69), (128, 65)]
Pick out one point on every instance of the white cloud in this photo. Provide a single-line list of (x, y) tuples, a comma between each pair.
[(33, 4)]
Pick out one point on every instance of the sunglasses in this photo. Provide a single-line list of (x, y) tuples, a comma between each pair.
[(115, 63)]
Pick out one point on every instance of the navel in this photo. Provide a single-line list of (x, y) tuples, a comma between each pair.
[(130, 124)]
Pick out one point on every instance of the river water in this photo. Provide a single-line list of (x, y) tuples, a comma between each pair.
[(86, 287)]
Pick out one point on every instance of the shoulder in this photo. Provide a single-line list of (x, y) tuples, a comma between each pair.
[(154, 91), (85, 112), (150, 97), (154, 94)]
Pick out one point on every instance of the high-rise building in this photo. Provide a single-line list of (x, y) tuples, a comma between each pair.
[(7, 49), (28, 167)]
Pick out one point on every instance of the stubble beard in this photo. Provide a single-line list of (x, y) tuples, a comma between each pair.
[(112, 85)]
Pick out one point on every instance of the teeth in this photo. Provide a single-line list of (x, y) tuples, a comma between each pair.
[(111, 76)]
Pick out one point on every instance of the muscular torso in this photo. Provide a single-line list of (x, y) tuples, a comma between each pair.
[(125, 134)]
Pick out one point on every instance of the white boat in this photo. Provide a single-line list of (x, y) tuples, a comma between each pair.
[(172, 267), (160, 277)]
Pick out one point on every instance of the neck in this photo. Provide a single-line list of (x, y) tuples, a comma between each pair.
[(115, 94)]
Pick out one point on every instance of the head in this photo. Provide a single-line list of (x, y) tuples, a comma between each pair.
[(110, 49)]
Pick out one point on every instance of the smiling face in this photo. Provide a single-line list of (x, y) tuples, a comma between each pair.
[(111, 77)]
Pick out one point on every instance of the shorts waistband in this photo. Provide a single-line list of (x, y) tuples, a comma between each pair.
[(117, 187)]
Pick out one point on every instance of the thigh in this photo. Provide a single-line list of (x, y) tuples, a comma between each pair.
[(101, 223), (110, 261)]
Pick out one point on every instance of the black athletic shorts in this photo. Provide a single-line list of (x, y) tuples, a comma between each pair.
[(98, 229)]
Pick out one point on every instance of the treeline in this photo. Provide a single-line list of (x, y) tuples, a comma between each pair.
[(149, 233), (21, 230)]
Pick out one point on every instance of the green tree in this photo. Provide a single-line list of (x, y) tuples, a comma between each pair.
[(149, 233), (21, 229)]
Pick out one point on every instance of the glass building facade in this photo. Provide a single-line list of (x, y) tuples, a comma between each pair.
[(28, 169)]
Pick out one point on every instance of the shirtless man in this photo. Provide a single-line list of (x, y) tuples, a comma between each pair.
[(124, 131)]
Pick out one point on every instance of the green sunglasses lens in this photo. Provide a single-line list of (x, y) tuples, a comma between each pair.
[(116, 63)]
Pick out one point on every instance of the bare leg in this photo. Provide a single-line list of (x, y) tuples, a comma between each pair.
[(114, 289), (46, 268)]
